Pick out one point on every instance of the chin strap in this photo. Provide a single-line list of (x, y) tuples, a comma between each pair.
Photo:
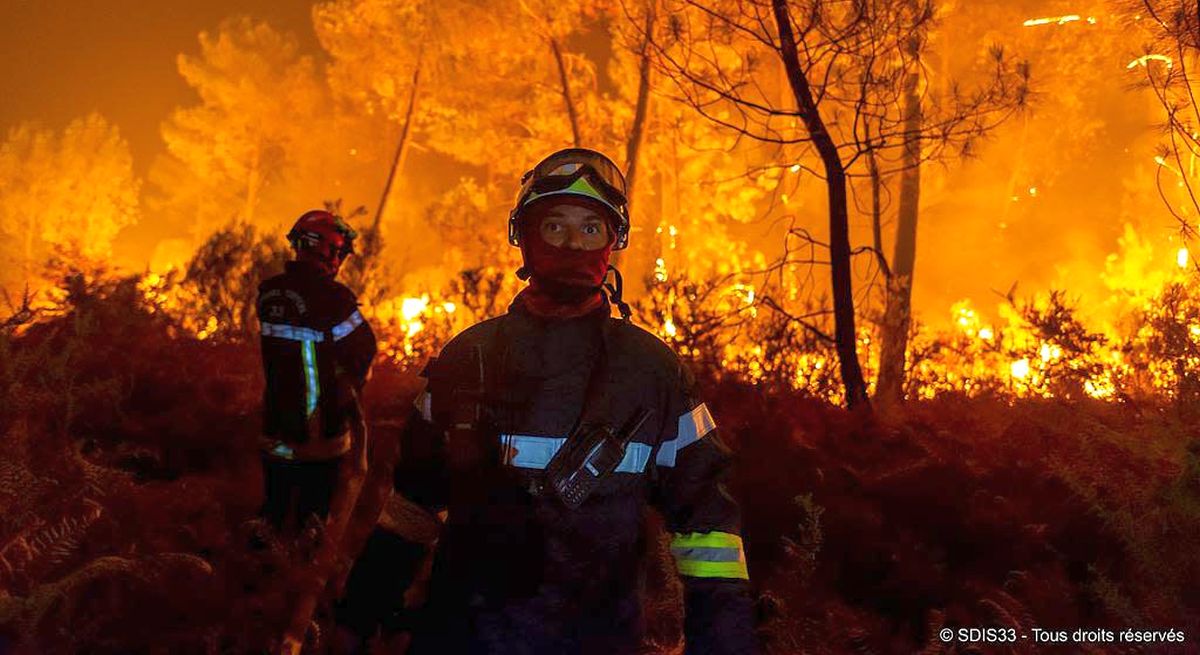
[(614, 293)]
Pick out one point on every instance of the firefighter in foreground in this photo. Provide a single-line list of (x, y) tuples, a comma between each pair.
[(316, 352), (545, 433)]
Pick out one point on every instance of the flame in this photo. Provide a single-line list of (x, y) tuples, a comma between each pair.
[(996, 350), (1057, 20), (1143, 61), (970, 349), (209, 329)]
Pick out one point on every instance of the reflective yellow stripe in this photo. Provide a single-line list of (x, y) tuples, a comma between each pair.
[(312, 384), (710, 555), (706, 540), (695, 569)]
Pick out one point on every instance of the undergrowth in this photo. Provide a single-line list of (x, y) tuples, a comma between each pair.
[(128, 472)]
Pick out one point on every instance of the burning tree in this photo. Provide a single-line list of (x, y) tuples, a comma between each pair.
[(72, 191), (380, 51), (258, 96), (1175, 31), (408, 62), (431, 72), (850, 96)]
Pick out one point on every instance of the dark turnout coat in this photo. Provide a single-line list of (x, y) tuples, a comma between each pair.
[(516, 570), (316, 352)]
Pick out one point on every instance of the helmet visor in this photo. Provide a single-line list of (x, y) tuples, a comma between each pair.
[(577, 172), (570, 162)]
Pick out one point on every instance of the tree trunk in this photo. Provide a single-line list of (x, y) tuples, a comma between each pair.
[(638, 130), (876, 209), (566, 91), (643, 100), (839, 228), (372, 239), (889, 388)]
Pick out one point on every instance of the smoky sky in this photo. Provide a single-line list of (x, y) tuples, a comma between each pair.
[(62, 59)]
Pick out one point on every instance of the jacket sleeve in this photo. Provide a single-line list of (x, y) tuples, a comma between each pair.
[(421, 472), (270, 426), (354, 341), (705, 527)]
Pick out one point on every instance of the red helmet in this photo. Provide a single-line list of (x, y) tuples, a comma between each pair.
[(322, 238)]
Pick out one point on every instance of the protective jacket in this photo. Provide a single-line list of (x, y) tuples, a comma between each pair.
[(516, 570), (316, 351)]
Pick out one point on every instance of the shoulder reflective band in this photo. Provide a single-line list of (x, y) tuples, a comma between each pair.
[(424, 404), (530, 452), (347, 326), (312, 385), (709, 555), (291, 332), (298, 333), (693, 426)]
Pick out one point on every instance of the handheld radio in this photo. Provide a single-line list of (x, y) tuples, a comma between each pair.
[(590, 454)]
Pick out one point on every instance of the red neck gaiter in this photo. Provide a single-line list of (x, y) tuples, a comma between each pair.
[(563, 282)]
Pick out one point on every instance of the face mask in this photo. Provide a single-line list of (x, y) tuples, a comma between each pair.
[(327, 264), (562, 276)]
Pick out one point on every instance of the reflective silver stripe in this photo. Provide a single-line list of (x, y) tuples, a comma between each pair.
[(699, 554), (298, 333), (713, 554), (291, 332), (424, 404), (637, 455), (693, 426), (530, 452), (347, 326), (283, 450)]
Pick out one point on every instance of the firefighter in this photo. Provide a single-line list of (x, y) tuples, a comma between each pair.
[(316, 352), (544, 434)]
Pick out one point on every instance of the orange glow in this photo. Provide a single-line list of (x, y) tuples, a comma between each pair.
[(1062, 198)]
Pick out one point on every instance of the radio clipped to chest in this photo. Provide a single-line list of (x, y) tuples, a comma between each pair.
[(590, 454)]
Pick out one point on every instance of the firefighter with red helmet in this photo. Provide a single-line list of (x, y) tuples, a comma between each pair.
[(316, 353), (545, 433)]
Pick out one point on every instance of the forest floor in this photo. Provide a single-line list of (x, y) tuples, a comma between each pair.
[(128, 472)]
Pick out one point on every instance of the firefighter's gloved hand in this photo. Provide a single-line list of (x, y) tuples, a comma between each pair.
[(290, 646)]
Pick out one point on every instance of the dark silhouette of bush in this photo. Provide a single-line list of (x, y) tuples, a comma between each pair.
[(128, 470), (225, 272)]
